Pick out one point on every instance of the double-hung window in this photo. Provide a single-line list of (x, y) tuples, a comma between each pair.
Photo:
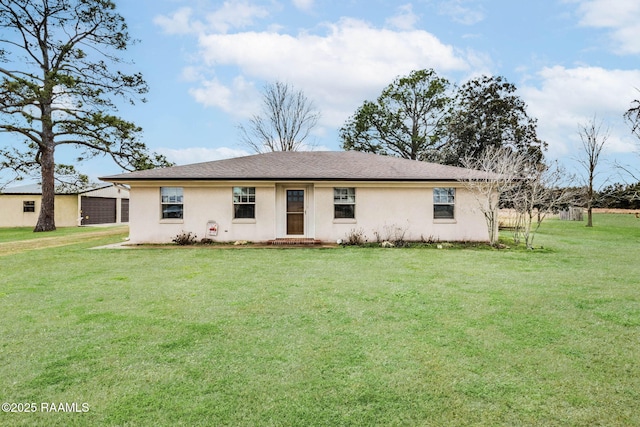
[(344, 203), (244, 202), (444, 203), (172, 202)]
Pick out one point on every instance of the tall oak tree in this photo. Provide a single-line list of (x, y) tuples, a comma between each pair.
[(420, 117), (407, 120), (489, 113)]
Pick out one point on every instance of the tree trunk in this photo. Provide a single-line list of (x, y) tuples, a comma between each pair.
[(46, 220), (45, 157), (492, 226), (590, 202)]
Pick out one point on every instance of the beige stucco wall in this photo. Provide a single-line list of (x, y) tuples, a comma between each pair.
[(382, 211), (201, 205), (405, 211), (12, 215)]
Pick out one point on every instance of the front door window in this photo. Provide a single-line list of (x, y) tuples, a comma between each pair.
[(295, 212)]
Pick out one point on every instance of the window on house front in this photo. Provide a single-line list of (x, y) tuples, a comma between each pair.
[(28, 206), (444, 203), (344, 203), (244, 202), (172, 202)]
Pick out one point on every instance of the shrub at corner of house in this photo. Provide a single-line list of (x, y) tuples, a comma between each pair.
[(185, 238)]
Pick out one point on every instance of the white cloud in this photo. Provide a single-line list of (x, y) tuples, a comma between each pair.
[(568, 97), (240, 99), (191, 74), (405, 19), (352, 61), (179, 22), (235, 14), (185, 156), (459, 12), (621, 17), (304, 5), (231, 15)]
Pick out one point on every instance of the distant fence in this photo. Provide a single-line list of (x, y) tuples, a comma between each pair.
[(508, 219), (572, 214)]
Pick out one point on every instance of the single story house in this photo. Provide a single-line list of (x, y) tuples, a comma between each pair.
[(316, 195), (103, 204)]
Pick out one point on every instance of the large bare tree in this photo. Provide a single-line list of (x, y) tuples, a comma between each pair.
[(632, 116), (285, 122), (58, 82), (593, 139)]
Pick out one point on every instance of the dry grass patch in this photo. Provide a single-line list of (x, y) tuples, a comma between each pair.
[(25, 240)]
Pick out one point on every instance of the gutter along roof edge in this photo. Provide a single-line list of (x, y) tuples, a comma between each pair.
[(288, 179)]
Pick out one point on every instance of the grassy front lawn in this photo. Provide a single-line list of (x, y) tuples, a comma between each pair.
[(344, 336)]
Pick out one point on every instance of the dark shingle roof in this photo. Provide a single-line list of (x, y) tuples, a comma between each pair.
[(306, 166)]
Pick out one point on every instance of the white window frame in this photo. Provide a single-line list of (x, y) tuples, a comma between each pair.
[(444, 196), (171, 196), (344, 196), (244, 196)]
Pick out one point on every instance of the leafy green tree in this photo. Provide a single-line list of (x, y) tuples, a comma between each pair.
[(417, 117), (57, 81), (407, 120), (488, 113)]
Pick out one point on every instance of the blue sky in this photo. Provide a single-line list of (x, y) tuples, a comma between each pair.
[(208, 61)]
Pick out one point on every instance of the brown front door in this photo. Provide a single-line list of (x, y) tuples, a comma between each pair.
[(295, 212)]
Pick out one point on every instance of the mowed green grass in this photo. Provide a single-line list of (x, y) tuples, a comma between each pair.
[(344, 336)]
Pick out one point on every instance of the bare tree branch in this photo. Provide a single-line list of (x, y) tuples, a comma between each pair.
[(286, 121), (593, 139), (543, 189), (502, 168)]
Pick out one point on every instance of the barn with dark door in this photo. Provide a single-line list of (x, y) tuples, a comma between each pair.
[(98, 210), (105, 204)]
